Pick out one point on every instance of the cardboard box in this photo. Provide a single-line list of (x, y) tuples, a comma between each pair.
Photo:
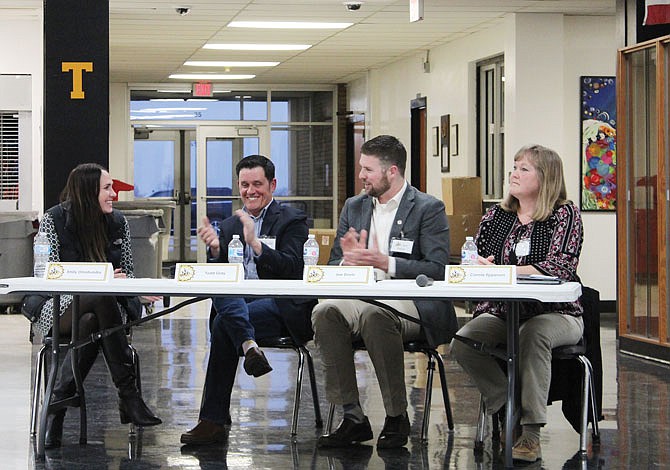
[(325, 237), (461, 226), (462, 195)]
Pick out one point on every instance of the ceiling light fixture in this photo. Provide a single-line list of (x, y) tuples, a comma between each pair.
[(257, 47), (228, 63), (210, 76), (287, 25)]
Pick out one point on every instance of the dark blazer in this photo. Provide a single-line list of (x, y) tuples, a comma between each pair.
[(421, 218), (289, 227)]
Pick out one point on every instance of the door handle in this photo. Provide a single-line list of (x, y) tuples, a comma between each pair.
[(182, 198)]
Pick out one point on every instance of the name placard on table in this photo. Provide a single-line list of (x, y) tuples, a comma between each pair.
[(339, 275), (57, 271), (209, 272), (489, 275)]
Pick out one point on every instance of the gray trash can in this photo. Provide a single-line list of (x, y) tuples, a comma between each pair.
[(17, 230), (164, 222), (145, 241)]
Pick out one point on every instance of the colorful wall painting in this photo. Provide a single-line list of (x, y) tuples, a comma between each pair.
[(598, 143)]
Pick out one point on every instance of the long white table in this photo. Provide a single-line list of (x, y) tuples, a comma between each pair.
[(384, 290)]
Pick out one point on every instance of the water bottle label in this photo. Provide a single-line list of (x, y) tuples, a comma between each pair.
[(310, 252), (42, 249), (235, 253), (469, 257)]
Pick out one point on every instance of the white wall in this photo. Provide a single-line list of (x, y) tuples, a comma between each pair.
[(544, 56), (21, 53), (120, 136)]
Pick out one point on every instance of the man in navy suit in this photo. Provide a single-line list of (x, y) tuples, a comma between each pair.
[(273, 236), (402, 233)]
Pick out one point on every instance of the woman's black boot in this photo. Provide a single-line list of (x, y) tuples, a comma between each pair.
[(132, 409), (54, 435), (119, 357)]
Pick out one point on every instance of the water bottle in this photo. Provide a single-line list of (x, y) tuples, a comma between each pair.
[(469, 253), (41, 251), (235, 250), (310, 251)]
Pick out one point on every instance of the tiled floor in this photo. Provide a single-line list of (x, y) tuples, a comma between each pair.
[(635, 433)]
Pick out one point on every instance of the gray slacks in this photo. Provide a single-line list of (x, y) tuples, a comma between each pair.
[(537, 337), (338, 323)]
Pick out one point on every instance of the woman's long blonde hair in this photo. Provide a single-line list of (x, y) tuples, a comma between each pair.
[(549, 169)]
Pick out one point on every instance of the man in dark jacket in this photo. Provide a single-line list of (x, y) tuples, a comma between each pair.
[(273, 238), (402, 233)]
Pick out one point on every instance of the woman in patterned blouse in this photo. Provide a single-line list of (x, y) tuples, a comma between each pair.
[(85, 228), (537, 229)]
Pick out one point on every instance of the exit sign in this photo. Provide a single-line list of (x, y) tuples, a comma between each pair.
[(203, 89)]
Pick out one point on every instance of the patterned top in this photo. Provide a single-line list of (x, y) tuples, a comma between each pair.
[(552, 246), (45, 319)]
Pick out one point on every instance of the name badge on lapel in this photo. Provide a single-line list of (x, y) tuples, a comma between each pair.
[(522, 247), (401, 245), (270, 242)]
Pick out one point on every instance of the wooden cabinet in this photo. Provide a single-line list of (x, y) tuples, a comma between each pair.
[(643, 198)]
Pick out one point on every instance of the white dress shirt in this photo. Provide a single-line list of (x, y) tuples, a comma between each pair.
[(383, 217)]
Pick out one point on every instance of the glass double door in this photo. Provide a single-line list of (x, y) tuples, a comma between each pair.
[(195, 170)]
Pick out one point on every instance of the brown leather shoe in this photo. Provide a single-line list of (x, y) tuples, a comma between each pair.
[(255, 363), (204, 433)]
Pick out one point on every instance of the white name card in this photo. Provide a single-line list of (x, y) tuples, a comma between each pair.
[(209, 272), (339, 275), (101, 272), (490, 275)]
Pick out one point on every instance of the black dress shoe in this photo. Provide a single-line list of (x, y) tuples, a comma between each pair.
[(205, 433), (395, 432), (347, 433), (54, 435), (255, 362)]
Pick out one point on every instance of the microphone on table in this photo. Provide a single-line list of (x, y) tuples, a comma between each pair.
[(423, 281)]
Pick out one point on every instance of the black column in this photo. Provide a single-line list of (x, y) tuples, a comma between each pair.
[(76, 89)]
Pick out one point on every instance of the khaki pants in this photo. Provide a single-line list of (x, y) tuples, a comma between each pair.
[(338, 323), (537, 337)]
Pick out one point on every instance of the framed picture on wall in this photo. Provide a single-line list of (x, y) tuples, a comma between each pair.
[(445, 131), (597, 143)]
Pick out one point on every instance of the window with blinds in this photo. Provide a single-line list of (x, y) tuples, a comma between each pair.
[(9, 155)]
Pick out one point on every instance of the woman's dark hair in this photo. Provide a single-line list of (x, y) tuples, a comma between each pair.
[(81, 193), (253, 161)]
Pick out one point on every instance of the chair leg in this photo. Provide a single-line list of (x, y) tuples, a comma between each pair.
[(329, 420), (590, 400), (430, 370), (312, 382), (38, 389), (298, 389), (481, 427), (445, 388), (586, 382), (138, 380)]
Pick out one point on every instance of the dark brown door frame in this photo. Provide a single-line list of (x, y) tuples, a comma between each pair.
[(418, 142)]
